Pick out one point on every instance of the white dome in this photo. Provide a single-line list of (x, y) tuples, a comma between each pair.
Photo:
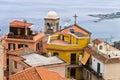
[(52, 14)]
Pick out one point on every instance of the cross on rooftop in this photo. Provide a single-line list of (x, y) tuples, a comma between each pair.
[(75, 16)]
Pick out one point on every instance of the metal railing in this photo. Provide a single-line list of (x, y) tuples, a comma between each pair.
[(30, 37)]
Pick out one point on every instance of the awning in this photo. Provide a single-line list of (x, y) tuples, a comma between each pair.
[(85, 58)]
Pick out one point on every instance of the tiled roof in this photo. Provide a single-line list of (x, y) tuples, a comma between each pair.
[(48, 75), (101, 57), (28, 74), (78, 34), (20, 24), (36, 73), (97, 41), (19, 60), (76, 29)]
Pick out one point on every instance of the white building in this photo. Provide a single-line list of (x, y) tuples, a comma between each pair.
[(101, 61)]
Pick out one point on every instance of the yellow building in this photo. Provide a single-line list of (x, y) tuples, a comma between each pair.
[(68, 44)]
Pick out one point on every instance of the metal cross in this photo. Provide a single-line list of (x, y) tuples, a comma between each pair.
[(75, 16)]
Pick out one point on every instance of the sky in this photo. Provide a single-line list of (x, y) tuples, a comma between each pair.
[(34, 11)]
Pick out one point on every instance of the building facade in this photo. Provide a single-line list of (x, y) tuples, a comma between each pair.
[(24, 58), (1, 61), (101, 61), (21, 35), (68, 44), (36, 73)]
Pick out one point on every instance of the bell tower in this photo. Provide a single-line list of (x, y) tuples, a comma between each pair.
[(51, 23)]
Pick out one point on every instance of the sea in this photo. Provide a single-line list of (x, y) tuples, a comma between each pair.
[(34, 11)]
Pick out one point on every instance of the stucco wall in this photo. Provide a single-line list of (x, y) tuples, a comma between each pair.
[(112, 71), (57, 68), (94, 65)]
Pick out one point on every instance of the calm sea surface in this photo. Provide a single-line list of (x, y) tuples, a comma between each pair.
[(34, 11)]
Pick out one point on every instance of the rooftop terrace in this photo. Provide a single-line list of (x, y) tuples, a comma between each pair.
[(39, 60)]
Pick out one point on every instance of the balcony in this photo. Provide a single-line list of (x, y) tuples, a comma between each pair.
[(73, 62), (30, 37), (98, 75)]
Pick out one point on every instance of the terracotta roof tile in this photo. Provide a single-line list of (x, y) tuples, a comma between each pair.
[(28, 74), (101, 57), (48, 75), (19, 24), (19, 60), (36, 73), (97, 41), (76, 29)]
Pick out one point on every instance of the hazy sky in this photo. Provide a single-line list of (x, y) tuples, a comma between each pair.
[(35, 11)]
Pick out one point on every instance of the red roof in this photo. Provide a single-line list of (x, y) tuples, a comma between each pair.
[(76, 29), (97, 41), (36, 73), (101, 57), (19, 60), (20, 24)]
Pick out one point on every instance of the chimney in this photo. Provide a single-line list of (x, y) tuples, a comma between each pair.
[(26, 31)]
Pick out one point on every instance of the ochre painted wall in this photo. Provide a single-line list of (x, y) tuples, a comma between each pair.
[(65, 51)]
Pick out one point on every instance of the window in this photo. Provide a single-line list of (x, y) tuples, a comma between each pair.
[(98, 67), (73, 73), (55, 54), (15, 64), (11, 46), (41, 43), (63, 37), (70, 39), (37, 46), (90, 61), (22, 45), (100, 47), (76, 40), (23, 68), (59, 37), (26, 45), (73, 58), (19, 31)]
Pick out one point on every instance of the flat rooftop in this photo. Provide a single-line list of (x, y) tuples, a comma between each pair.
[(39, 60), (111, 52), (56, 41)]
